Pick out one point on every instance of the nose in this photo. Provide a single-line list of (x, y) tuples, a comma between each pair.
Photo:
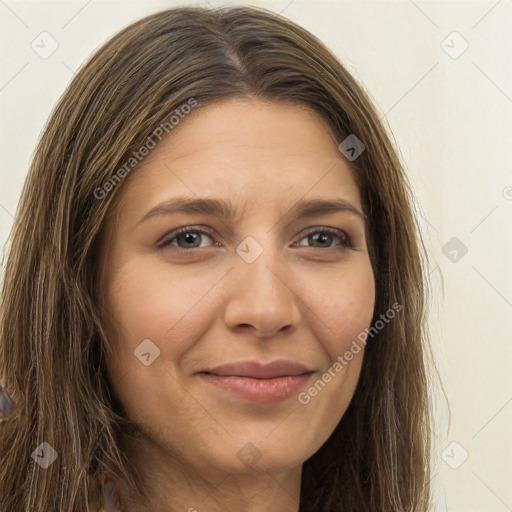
[(261, 297)]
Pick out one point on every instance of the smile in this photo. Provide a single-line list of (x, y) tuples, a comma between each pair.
[(270, 390)]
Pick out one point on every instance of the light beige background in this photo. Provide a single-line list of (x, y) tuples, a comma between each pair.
[(451, 118)]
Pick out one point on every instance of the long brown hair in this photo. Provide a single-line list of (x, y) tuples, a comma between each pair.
[(53, 346)]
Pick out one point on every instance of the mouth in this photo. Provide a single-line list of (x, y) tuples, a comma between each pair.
[(254, 377), (270, 382), (257, 370)]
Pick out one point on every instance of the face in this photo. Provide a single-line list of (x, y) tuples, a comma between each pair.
[(279, 280)]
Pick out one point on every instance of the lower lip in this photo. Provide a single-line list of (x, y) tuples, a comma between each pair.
[(259, 390)]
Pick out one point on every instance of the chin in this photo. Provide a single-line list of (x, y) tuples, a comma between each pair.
[(257, 457)]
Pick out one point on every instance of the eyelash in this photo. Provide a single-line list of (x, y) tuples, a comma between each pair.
[(345, 241)]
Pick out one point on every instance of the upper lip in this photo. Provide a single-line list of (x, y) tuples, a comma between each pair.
[(257, 370)]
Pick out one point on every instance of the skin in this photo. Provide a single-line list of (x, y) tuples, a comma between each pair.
[(303, 298)]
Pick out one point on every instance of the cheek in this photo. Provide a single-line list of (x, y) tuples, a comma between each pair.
[(169, 309), (344, 302), (146, 302)]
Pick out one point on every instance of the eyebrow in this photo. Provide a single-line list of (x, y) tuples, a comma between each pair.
[(225, 210)]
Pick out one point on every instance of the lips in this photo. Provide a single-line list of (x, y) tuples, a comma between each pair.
[(264, 383), (256, 370)]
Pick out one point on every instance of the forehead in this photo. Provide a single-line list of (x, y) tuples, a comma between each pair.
[(263, 124), (255, 152)]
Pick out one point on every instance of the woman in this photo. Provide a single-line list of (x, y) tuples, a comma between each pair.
[(251, 371)]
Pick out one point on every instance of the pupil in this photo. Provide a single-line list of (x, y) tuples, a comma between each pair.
[(190, 237), (321, 237)]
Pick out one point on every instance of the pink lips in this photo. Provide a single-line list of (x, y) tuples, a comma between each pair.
[(258, 382)]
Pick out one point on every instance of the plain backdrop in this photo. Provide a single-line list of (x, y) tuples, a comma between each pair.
[(441, 76)]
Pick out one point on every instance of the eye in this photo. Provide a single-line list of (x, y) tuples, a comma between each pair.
[(188, 237), (325, 236)]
